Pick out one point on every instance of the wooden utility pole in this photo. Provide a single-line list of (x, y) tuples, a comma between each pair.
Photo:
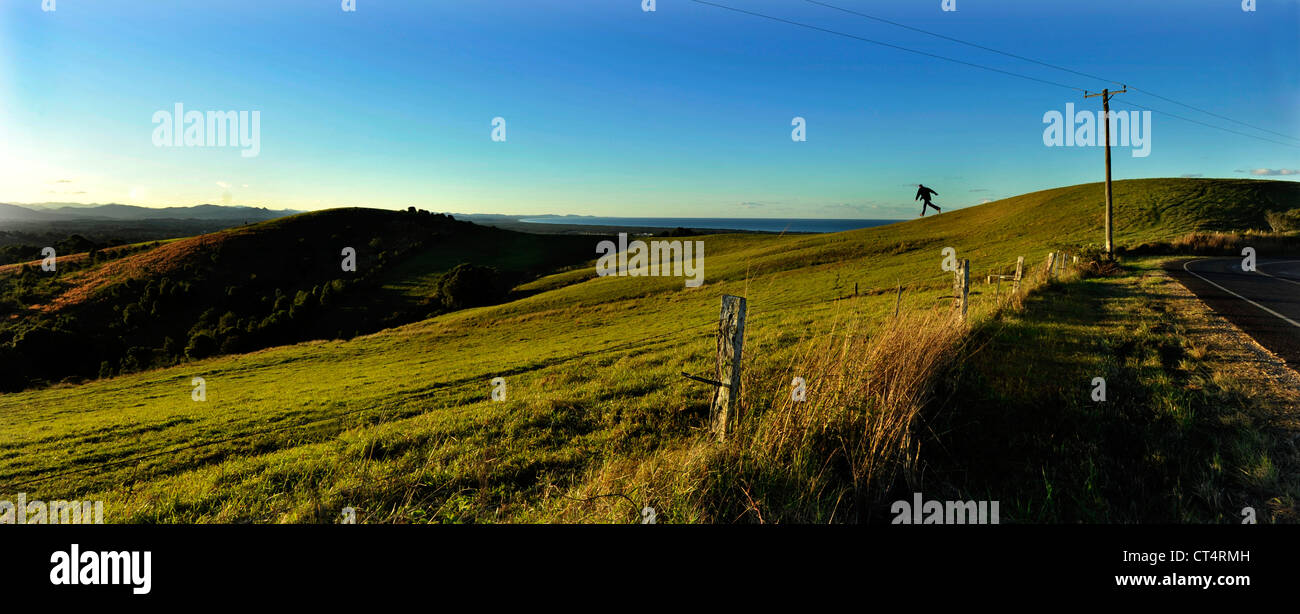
[(1105, 107)]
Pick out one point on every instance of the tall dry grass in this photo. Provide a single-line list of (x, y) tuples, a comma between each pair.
[(854, 442), (839, 455), (1224, 244), (864, 395), (834, 456)]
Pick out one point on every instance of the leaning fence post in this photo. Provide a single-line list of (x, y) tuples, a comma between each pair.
[(960, 286), (1020, 270), (1051, 265), (898, 298), (731, 338)]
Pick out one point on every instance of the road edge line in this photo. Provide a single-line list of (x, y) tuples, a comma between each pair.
[(1270, 311)]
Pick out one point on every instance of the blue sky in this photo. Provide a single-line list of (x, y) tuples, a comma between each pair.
[(610, 110)]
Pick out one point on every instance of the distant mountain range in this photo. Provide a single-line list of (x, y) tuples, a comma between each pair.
[(50, 212)]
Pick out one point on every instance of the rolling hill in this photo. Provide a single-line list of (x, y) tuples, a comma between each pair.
[(71, 212), (245, 288), (596, 421)]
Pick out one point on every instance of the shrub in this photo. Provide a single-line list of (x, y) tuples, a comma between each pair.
[(1095, 262), (1284, 221), (228, 321), (232, 344), (133, 315), (202, 344), (470, 285)]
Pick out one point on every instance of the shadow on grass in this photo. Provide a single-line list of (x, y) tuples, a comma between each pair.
[(1020, 426)]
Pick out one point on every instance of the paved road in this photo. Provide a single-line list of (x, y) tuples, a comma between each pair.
[(1264, 303)]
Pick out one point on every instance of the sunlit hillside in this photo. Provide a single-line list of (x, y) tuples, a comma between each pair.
[(400, 424)]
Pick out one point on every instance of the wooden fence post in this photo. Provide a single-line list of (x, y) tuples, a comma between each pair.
[(898, 298), (1020, 271), (731, 338), (1051, 265), (961, 286)]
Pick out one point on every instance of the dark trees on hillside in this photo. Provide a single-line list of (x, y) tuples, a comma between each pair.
[(247, 292), (470, 285), (202, 344)]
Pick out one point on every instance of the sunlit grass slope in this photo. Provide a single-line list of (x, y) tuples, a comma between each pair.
[(400, 424)]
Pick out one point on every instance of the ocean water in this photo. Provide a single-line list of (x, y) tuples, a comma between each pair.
[(760, 224)]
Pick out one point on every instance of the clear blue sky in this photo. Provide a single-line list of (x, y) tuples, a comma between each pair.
[(610, 110)]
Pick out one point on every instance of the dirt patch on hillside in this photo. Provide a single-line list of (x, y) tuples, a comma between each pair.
[(159, 261)]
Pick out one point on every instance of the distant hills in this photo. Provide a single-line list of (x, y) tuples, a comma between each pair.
[(52, 212), (250, 286)]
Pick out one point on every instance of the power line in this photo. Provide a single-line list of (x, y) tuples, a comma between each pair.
[(1188, 119), (958, 40), (1149, 93), (998, 70), (890, 45), (1057, 67)]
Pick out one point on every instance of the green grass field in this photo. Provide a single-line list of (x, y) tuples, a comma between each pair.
[(597, 421), (1181, 437)]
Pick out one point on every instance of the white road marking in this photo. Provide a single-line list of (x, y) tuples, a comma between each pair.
[(1282, 317), (1287, 280)]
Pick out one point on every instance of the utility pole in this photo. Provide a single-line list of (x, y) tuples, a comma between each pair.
[(1105, 107)]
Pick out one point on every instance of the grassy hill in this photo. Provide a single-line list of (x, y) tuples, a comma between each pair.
[(246, 288), (597, 422)]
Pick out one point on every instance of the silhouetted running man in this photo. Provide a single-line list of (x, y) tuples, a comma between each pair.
[(924, 193)]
